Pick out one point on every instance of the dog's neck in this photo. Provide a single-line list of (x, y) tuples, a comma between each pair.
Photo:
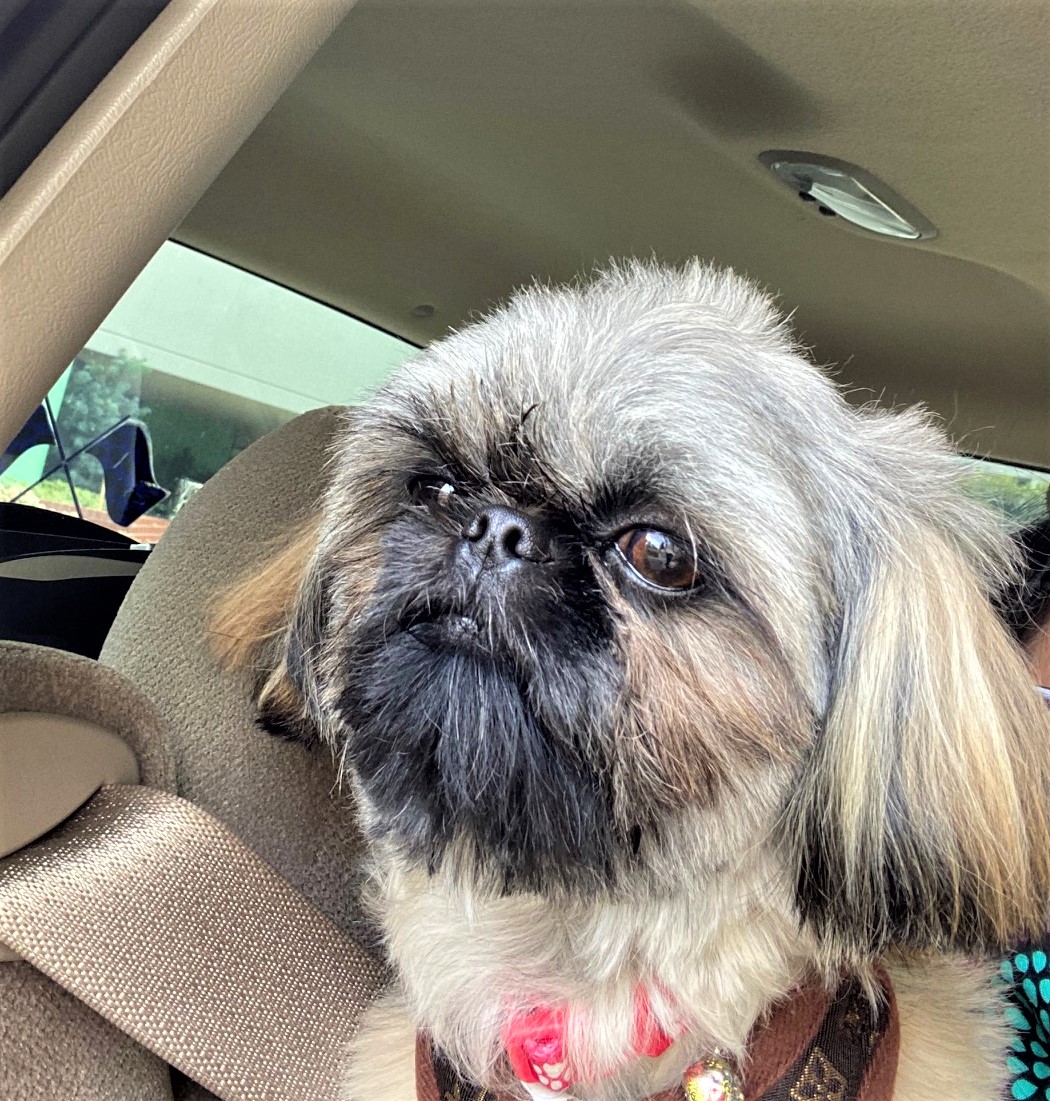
[(722, 952), (842, 1044)]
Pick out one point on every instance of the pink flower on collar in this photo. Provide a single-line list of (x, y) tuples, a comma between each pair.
[(535, 1043)]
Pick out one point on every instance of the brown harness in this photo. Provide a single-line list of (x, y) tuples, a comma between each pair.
[(813, 1047)]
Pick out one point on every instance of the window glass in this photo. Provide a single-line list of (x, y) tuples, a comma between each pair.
[(196, 361), (1019, 493)]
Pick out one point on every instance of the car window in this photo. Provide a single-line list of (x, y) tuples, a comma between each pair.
[(198, 360), (195, 362), (1019, 493)]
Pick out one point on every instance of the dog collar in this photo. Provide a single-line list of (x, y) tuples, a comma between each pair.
[(812, 1045)]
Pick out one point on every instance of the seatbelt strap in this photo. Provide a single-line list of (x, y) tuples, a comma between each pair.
[(153, 913)]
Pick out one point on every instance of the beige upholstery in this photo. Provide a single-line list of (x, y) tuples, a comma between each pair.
[(202, 743), (53, 1047), (87, 215), (276, 795), (52, 682), (153, 913)]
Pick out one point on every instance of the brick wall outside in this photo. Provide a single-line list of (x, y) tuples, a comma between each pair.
[(146, 529)]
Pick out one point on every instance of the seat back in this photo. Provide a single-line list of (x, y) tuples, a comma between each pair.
[(279, 797)]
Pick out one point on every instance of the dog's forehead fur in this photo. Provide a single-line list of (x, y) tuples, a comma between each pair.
[(692, 374)]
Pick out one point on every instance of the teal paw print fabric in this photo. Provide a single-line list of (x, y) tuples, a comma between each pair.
[(1028, 1012)]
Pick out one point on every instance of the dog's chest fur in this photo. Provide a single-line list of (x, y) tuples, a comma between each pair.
[(723, 956)]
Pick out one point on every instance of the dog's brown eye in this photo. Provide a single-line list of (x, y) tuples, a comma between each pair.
[(433, 493), (659, 558)]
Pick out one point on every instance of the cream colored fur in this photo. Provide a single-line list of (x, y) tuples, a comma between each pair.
[(467, 961), (831, 753), (949, 1020), (951, 1029), (382, 1064), (728, 947)]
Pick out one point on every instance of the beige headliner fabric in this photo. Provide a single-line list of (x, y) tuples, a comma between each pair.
[(96, 204), (441, 153), (276, 795), (152, 913)]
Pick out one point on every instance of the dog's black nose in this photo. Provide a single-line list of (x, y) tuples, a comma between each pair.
[(502, 534)]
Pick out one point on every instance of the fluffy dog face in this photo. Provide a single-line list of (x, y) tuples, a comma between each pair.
[(559, 643), (613, 585)]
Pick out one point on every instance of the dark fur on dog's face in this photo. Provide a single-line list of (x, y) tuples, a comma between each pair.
[(487, 688), (614, 585)]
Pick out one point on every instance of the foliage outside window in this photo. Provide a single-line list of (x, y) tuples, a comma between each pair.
[(205, 358), (1018, 493)]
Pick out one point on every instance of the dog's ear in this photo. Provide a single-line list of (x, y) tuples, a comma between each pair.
[(270, 623), (923, 818)]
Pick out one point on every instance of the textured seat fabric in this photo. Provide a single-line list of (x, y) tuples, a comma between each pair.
[(53, 682), (53, 1047), (152, 912), (203, 744), (277, 796)]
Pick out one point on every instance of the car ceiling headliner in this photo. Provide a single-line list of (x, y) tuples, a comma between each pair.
[(442, 153)]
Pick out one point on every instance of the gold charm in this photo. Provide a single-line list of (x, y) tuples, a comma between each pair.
[(711, 1080)]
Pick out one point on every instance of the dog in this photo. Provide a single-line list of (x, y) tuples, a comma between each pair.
[(669, 689)]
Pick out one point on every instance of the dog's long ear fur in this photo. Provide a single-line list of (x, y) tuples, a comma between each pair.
[(923, 819), (268, 623)]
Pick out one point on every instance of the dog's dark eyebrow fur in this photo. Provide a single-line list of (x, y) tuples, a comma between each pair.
[(505, 457), (508, 459), (620, 496)]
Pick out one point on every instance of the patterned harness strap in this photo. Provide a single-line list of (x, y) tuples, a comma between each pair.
[(812, 1048)]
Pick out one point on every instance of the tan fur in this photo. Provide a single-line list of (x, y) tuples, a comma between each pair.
[(950, 1020), (706, 702), (936, 686), (251, 617), (258, 607)]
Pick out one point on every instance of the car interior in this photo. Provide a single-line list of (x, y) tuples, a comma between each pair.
[(238, 217)]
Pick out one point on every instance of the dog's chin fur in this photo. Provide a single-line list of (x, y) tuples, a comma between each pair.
[(725, 943), (825, 756)]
